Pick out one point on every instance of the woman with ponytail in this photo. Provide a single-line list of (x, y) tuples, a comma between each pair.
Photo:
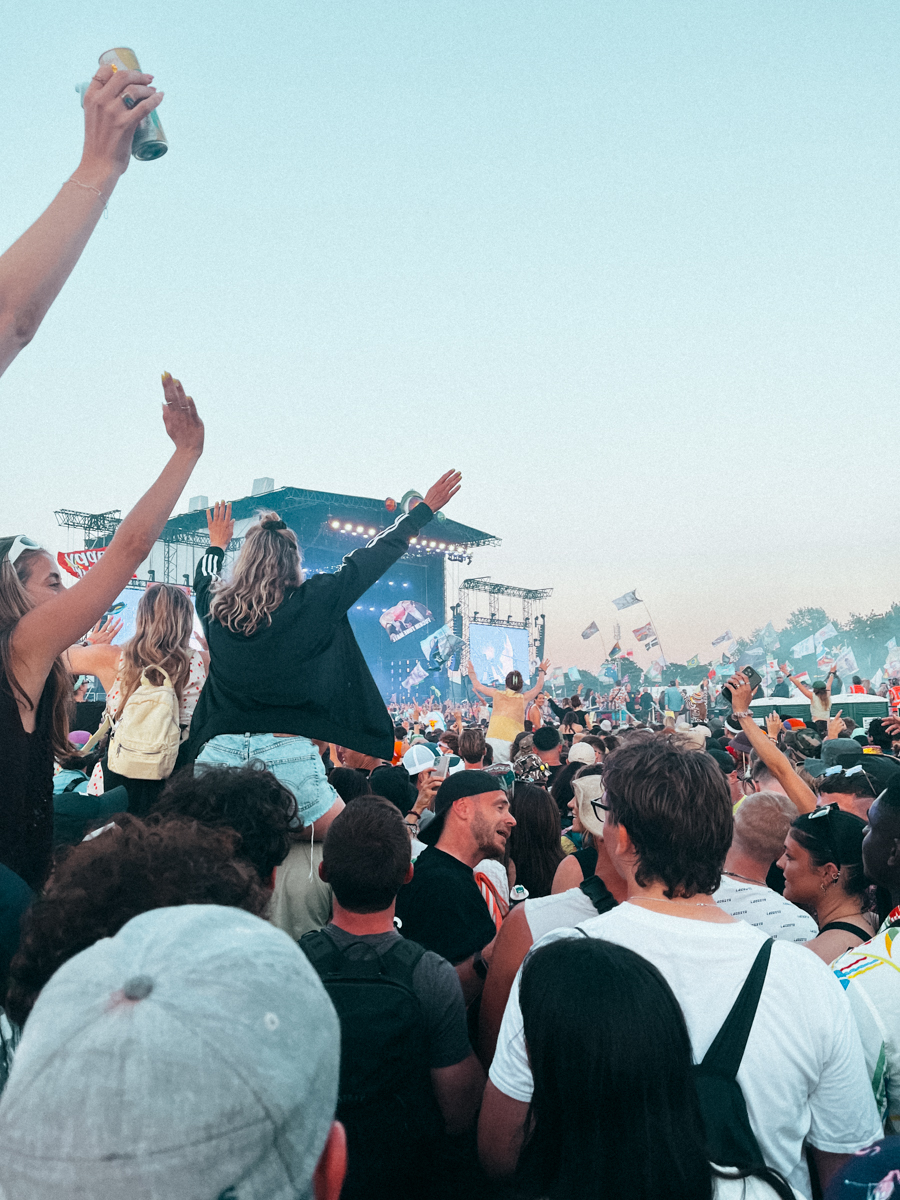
[(285, 670)]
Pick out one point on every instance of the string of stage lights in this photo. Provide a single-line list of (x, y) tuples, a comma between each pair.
[(421, 544)]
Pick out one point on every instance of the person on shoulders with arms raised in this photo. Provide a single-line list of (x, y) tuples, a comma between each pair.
[(285, 670), (509, 707)]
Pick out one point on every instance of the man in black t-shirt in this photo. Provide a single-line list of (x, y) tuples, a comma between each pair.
[(546, 746), (442, 907)]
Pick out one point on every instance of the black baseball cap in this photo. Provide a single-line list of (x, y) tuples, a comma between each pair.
[(456, 787)]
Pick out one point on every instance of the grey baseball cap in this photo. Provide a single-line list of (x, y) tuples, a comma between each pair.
[(193, 1055)]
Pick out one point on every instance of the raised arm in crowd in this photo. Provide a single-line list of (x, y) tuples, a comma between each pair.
[(35, 267)]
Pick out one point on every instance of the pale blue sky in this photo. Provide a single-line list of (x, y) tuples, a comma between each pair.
[(631, 267)]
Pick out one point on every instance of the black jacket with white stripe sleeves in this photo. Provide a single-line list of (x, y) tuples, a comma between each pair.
[(304, 673)]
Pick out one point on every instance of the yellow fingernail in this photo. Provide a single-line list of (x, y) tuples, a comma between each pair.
[(165, 376)]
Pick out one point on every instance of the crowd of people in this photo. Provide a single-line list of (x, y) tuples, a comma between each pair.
[(263, 936)]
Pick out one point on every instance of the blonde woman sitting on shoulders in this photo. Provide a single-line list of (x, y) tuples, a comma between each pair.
[(285, 669)]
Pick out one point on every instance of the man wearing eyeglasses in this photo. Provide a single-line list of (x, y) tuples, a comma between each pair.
[(802, 1074)]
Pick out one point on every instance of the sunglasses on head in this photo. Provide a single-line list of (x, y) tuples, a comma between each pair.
[(19, 546)]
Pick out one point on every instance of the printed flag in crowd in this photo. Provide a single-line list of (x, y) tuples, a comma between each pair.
[(826, 631), (574, 675), (730, 650), (626, 601), (617, 649), (802, 649), (753, 657), (711, 673), (439, 647), (727, 636), (846, 663), (590, 631), (416, 675), (651, 643), (693, 661), (645, 632), (825, 662), (404, 618)]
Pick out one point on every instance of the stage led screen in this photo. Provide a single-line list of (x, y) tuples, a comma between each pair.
[(495, 650)]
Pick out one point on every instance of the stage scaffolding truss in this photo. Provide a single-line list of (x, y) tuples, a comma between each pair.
[(478, 595), (100, 527)]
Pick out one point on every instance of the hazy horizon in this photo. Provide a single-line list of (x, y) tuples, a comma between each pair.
[(632, 269)]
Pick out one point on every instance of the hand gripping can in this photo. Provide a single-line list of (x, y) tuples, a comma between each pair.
[(149, 141)]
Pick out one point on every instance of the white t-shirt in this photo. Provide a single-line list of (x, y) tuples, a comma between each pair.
[(764, 909), (743, 1189), (561, 911), (803, 1074)]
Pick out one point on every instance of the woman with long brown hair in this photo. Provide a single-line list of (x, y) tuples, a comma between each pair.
[(40, 619), (164, 623), (285, 673)]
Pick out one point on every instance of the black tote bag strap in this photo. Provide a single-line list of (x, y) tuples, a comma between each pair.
[(725, 1054)]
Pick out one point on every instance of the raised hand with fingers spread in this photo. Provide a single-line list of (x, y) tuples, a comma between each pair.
[(105, 632), (220, 524), (440, 493)]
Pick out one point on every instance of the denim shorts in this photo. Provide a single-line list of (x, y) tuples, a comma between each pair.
[(294, 761)]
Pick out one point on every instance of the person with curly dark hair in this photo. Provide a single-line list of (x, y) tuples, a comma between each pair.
[(129, 867), (249, 800)]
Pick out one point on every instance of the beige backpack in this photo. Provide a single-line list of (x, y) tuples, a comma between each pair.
[(145, 739)]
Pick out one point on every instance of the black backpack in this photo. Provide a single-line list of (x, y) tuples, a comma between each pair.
[(598, 893), (385, 1099), (730, 1140)]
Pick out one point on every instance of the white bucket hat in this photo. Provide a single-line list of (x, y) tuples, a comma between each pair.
[(587, 789)]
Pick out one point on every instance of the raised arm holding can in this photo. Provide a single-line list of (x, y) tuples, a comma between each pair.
[(34, 268)]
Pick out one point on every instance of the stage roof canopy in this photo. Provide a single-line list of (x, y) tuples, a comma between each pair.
[(316, 509)]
